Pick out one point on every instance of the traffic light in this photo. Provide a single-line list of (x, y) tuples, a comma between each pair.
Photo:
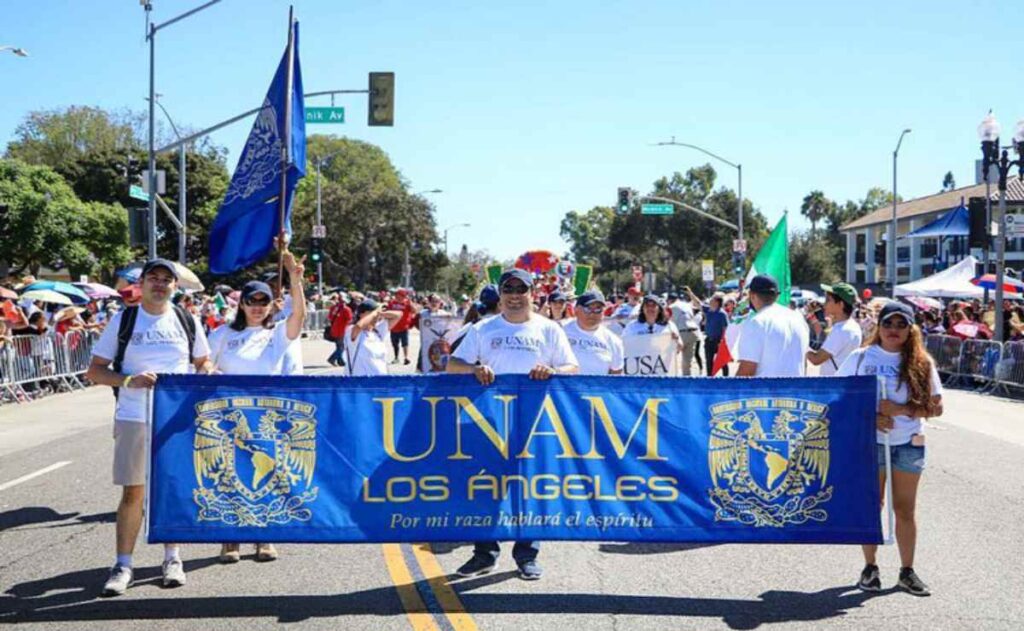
[(738, 262), (880, 252), (381, 112), (625, 200), (977, 211), (316, 250)]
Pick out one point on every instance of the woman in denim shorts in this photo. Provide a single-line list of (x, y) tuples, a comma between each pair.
[(910, 391)]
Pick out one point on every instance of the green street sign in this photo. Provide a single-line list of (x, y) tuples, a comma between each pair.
[(136, 192), (656, 209), (325, 114)]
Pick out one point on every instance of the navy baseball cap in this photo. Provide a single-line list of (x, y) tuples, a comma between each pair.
[(893, 308), (367, 305), (557, 296), (588, 297), (152, 264), (516, 273), (673, 295), (764, 284), (489, 295), (256, 287)]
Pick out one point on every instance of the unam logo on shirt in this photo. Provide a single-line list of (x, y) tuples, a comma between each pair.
[(588, 344), (516, 343), (152, 337)]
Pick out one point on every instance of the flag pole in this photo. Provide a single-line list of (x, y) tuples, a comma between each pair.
[(285, 153)]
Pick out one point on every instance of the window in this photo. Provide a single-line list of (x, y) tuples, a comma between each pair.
[(861, 277), (929, 248), (903, 254), (860, 249)]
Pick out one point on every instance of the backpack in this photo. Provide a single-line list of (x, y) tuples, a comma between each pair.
[(127, 327)]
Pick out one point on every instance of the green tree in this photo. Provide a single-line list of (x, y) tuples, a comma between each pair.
[(816, 207), (587, 233), (51, 227), (812, 260)]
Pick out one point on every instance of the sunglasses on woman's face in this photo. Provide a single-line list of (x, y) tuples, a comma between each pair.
[(895, 323), (257, 302), (514, 289)]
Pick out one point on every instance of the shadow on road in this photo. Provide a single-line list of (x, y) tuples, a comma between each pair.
[(73, 597), (36, 515), (651, 548)]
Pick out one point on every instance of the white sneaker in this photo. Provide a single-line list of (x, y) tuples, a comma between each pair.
[(174, 573), (118, 582)]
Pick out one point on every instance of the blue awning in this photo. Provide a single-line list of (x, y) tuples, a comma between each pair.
[(955, 223)]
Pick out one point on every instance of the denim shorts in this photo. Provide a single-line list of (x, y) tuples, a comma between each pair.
[(906, 458)]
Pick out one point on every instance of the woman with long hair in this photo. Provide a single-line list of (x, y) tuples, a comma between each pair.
[(254, 345), (365, 346), (909, 391), (653, 320)]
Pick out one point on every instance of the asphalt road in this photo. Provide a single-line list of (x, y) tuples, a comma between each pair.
[(56, 544)]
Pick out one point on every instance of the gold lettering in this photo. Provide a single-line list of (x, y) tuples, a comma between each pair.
[(663, 488), (549, 491), (366, 493), (498, 440), (388, 420), (598, 409), (626, 488), (434, 488), (524, 484), (549, 410)]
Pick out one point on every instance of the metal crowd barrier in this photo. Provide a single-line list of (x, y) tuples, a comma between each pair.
[(316, 322), (992, 365), (33, 365)]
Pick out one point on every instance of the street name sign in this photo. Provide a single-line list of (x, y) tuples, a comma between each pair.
[(656, 209), (319, 232), (325, 114), (137, 192)]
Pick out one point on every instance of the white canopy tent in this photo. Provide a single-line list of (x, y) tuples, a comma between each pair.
[(952, 282)]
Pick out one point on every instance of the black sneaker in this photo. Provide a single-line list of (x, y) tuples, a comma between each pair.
[(869, 579), (479, 564), (911, 583), (407, 362), (530, 571)]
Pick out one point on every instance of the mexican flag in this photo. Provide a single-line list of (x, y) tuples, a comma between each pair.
[(773, 260)]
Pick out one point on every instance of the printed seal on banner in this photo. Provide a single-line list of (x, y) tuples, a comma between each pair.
[(254, 478), (769, 478)]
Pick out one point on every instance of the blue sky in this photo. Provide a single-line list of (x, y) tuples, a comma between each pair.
[(523, 111)]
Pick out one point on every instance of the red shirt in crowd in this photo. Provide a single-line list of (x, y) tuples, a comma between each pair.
[(340, 316)]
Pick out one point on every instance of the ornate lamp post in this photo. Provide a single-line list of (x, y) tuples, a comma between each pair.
[(992, 154)]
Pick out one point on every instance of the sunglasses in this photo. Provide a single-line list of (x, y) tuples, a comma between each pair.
[(593, 309), (515, 289), (895, 323), (257, 302)]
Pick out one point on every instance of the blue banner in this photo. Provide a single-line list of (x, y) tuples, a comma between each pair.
[(441, 458)]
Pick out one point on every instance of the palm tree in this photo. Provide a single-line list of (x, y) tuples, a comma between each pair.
[(815, 207)]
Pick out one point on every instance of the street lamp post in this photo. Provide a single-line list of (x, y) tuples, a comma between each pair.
[(992, 154), (20, 52), (182, 186), (151, 38), (739, 175), (892, 228), (458, 225), (319, 217)]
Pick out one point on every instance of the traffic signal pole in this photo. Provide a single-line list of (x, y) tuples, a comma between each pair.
[(320, 263)]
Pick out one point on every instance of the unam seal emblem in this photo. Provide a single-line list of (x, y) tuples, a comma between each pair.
[(774, 476), (254, 459)]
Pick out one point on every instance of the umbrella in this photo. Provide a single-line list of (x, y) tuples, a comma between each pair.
[(47, 295), (730, 285), (186, 277), (59, 286), (1010, 285), (223, 289), (924, 303), (967, 329), (97, 291), (8, 294)]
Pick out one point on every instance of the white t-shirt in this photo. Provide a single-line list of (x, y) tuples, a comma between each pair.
[(368, 354), (515, 349), (641, 328), (597, 352), (158, 344), (843, 339), (254, 350), (777, 339), (886, 366)]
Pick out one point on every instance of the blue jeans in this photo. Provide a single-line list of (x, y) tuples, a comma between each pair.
[(339, 352), (906, 458), (522, 551)]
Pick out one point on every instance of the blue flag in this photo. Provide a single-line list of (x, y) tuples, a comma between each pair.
[(249, 217), (247, 458)]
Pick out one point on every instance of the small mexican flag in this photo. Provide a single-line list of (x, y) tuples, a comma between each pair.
[(494, 273), (773, 260), (581, 278)]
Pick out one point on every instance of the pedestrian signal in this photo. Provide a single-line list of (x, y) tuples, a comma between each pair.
[(316, 250)]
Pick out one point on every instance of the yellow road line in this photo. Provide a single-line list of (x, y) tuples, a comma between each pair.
[(438, 580), (419, 617)]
